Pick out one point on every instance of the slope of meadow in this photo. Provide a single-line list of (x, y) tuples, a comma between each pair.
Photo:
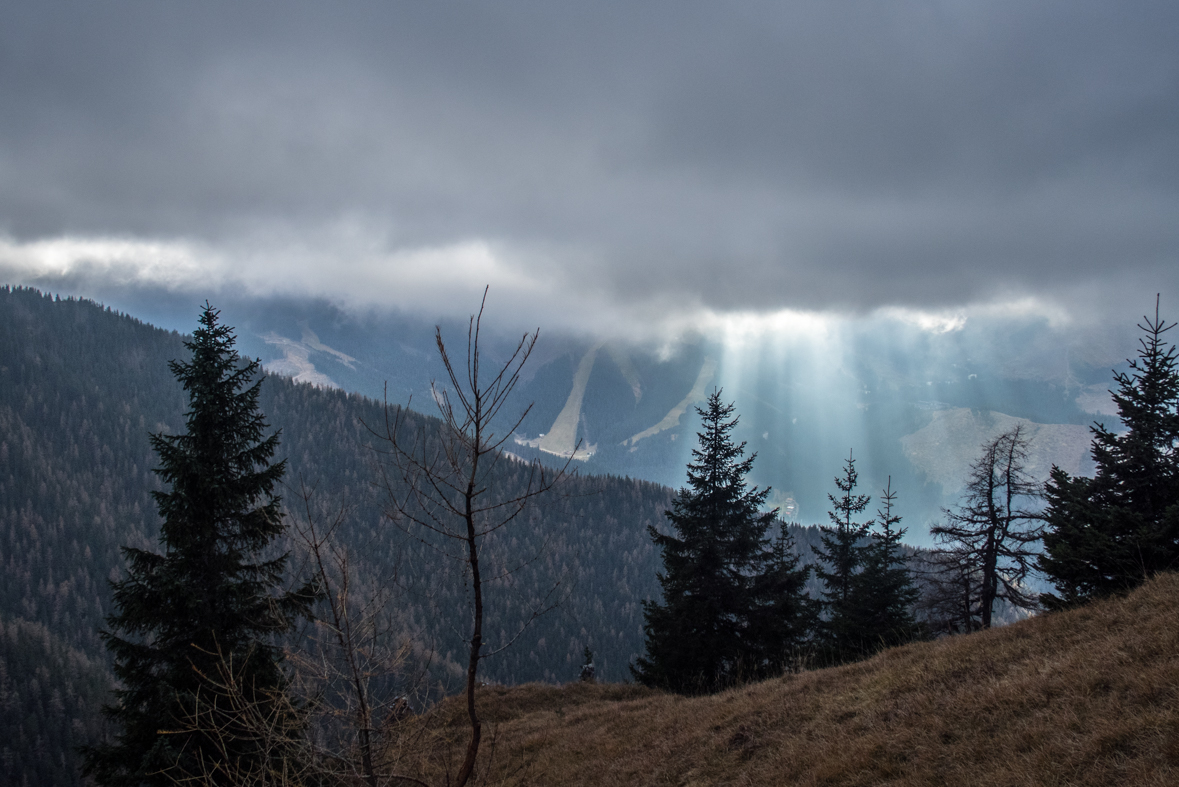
[(1087, 697)]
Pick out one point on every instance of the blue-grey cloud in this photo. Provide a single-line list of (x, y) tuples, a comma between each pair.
[(739, 156)]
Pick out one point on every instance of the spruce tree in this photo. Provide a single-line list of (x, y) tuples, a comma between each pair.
[(784, 616), (841, 558), (207, 608), (728, 594), (1109, 533), (884, 587)]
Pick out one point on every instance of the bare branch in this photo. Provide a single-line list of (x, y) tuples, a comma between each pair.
[(990, 534), (446, 483)]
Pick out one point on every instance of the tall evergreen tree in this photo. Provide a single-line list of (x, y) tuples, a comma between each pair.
[(730, 597), (783, 616), (884, 587), (208, 608), (841, 558), (1110, 532)]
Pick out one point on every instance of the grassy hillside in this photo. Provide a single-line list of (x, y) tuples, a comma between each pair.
[(1088, 697)]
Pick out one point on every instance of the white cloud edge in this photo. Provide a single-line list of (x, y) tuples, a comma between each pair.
[(447, 280)]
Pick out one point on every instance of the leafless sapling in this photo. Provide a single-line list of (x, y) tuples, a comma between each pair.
[(443, 485), (357, 662)]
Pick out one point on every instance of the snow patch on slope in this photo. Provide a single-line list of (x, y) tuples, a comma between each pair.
[(296, 361), (561, 439), (672, 419)]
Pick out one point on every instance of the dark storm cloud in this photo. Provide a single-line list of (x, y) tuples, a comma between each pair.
[(733, 156)]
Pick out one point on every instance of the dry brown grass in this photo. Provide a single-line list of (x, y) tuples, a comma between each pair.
[(1089, 697)]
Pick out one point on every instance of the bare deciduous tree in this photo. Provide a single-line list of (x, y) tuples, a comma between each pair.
[(441, 486), (949, 586), (356, 665), (227, 710), (992, 531)]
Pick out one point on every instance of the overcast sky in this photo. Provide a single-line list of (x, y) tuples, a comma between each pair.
[(600, 164)]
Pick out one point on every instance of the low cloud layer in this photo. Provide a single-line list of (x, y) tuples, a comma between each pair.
[(606, 165)]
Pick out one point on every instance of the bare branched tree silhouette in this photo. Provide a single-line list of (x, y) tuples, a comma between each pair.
[(442, 486), (228, 709), (994, 530), (950, 582), (357, 665)]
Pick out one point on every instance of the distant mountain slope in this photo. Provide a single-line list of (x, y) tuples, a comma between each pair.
[(1087, 698), (82, 387), (804, 401)]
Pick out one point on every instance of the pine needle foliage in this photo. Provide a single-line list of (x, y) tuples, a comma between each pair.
[(841, 559), (1109, 533), (732, 598), (212, 599), (884, 585)]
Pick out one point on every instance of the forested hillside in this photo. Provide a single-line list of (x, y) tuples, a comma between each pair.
[(81, 388)]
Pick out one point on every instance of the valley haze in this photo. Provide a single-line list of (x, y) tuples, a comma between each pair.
[(912, 404)]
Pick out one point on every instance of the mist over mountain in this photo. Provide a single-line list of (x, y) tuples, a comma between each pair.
[(851, 220), (912, 402)]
